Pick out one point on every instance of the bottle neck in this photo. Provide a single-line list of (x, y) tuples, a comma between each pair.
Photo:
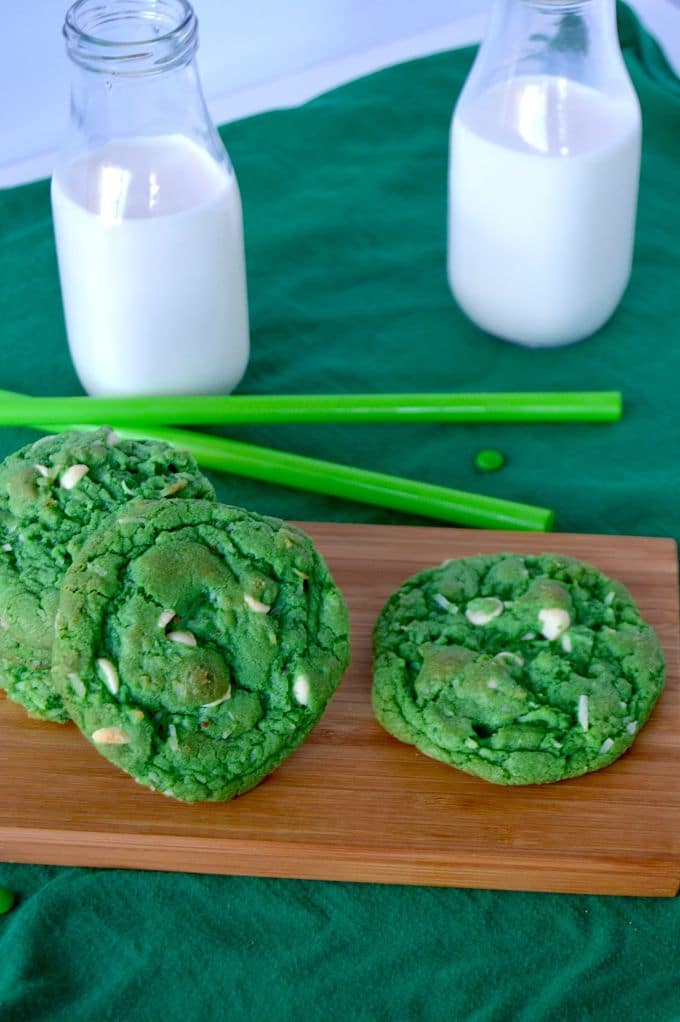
[(111, 106), (573, 39), (134, 74), (140, 39)]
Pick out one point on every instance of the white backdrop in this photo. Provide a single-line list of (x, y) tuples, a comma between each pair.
[(253, 56)]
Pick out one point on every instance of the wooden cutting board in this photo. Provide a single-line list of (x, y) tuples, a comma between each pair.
[(355, 804)]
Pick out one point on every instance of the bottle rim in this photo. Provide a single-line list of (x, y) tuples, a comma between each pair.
[(130, 38)]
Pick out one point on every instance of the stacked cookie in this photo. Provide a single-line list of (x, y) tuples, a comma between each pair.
[(194, 644)]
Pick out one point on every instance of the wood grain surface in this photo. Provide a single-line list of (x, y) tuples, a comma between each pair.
[(355, 804)]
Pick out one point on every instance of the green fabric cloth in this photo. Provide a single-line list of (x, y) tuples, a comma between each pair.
[(344, 205)]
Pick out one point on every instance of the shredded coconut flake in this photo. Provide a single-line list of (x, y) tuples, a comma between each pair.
[(606, 746), (7, 547), (77, 684), (632, 727), (42, 470), (109, 675), (217, 702), (173, 488), (164, 618), (112, 438), (172, 738), (609, 598), (583, 711), (256, 605), (492, 683), (184, 638), (445, 604), (110, 736), (566, 643), (72, 476), (301, 689)]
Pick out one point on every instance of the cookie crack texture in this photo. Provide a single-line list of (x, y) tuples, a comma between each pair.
[(519, 669), (240, 667)]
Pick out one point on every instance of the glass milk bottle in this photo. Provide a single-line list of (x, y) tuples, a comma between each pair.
[(147, 211), (543, 173)]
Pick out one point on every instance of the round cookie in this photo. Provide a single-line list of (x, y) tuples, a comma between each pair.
[(53, 494), (521, 670), (197, 644)]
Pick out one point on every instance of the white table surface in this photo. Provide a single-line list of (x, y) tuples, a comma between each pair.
[(253, 56)]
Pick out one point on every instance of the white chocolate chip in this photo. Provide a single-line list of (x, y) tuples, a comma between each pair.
[(112, 438), (7, 547), (554, 621), (566, 643), (301, 689), (256, 605), (632, 727), (172, 738), (609, 598), (606, 746), (72, 476), (582, 712), (77, 684), (109, 675), (513, 657), (42, 470), (483, 609), (445, 604), (528, 636), (623, 704), (217, 702), (471, 743), (184, 638), (110, 736), (492, 683), (164, 618)]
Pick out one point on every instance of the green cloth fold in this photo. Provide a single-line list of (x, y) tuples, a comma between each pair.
[(344, 204)]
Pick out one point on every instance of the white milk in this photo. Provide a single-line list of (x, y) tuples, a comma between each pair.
[(149, 239), (542, 219)]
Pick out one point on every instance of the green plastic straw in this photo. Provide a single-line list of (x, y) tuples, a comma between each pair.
[(594, 406), (336, 480), (351, 483)]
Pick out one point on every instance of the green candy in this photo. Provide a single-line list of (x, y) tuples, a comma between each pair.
[(6, 900), (521, 670), (196, 644), (489, 460)]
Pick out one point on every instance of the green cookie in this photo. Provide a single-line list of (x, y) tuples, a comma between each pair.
[(53, 494), (521, 670), (198, 644)]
